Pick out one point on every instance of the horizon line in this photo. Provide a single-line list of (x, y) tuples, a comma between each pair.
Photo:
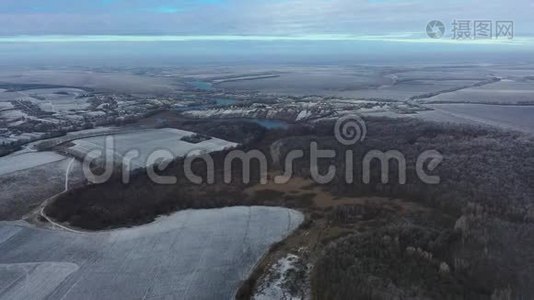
[(394, 38)]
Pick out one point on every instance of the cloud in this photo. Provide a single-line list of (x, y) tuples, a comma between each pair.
[(402, 38), (165, 9), (251, 17)]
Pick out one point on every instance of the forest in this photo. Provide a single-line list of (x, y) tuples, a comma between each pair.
[(474, 244)]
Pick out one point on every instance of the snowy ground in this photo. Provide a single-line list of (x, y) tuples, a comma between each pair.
[(193, 254), (5, 105), (12, 115), (23, 190), (504, 92), (13, 163), (275, 285), (28, 177), (60, 99), (508, 117), (147, 142)]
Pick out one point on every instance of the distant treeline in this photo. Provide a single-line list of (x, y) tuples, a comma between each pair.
[(18, 87)]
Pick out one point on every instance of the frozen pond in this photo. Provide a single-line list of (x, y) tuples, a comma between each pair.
[(271, 124), (193, 254), (225, 102), (201, 85)]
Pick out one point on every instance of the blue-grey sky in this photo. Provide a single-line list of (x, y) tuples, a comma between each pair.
[(141, 32), (249, 17)]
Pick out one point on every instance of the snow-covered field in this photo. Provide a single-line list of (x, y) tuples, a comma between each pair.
[(13, 163), (22, 190), (404, 90), (11, 115), (509, 117), (11, 96), (193, 254), (5, 105), (147, 142), (59, 99), (117, 82), (359, 82), (50, 100), (28, 177), (36, 276), (503, 92)]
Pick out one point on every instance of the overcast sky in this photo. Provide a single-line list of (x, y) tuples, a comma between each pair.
[(250, 17), (130, 32)]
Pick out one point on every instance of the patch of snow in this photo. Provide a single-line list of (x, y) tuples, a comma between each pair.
[(13, 163), (12, 115), (273, 287), (6, 105), (303, 115), (40, 279), (191, 254), (148, 142)]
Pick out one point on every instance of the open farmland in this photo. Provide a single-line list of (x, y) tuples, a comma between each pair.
[(511, 117), (362, 82), (49, 99), (102, 80), (5, 105), (15, 95), (17, 162), (21, 191), (193, 254), (308, 81), (11, 115), (507, 91), (60, 99), (147, 142), (403, 90), (23, 174)]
